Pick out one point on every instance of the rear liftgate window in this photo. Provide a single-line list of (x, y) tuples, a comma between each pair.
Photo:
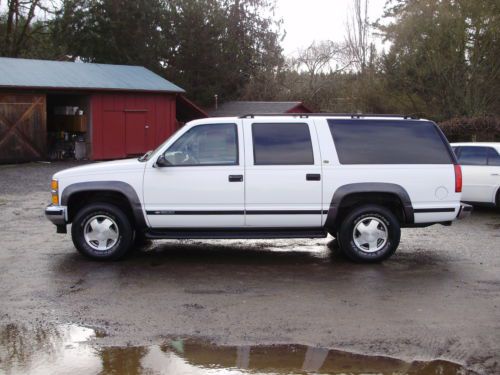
[(388, 142)]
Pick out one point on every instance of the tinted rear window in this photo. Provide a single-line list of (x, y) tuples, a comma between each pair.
[(282, 144), (493, 157), (473, 155), (476, 155), (388, 142)]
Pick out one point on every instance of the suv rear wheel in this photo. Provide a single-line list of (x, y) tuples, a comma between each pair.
[(369, 233), (102, 231)]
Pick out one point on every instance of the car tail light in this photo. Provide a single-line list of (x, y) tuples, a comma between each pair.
[(458, 178)]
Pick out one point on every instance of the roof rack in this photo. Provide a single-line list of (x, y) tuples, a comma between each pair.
[(352, 115)]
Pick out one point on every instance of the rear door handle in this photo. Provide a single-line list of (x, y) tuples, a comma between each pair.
[(235, 178), (313, 177), (495, 174)]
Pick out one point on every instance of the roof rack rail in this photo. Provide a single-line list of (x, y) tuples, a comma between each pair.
[(252, 115), (352, 115)]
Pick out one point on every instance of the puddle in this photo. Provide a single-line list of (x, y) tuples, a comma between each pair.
[(71, 349)]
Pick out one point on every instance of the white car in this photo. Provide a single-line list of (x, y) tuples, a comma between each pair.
[(481, 171), (359, 178)]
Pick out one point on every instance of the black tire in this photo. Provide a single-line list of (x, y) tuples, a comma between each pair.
[(385, 221), (121, 228)]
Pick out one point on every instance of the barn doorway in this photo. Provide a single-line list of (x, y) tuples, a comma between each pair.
[(68, 126)]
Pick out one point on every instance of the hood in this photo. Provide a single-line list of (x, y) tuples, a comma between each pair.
[(116, 166)]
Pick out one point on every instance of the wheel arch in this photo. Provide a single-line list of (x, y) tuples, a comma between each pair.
[(350, 195), (118, 192)]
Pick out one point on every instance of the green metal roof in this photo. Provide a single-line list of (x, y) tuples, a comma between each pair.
[(27, 73)]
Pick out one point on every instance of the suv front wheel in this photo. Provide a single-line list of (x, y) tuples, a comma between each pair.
[(369, 234), (102, 231)]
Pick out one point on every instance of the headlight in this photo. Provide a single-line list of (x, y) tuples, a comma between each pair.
[(54, 190)]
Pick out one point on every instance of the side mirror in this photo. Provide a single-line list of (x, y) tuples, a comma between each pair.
[(162, 162)]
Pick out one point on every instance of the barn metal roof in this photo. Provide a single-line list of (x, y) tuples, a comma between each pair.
[(27, 73), (239, 108)]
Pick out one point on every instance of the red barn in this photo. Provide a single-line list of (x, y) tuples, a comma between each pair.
[(57, 110)]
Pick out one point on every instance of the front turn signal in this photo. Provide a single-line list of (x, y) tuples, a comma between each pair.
[(54, 190)]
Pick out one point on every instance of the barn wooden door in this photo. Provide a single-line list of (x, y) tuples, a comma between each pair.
[(23, 128), (136, 132)]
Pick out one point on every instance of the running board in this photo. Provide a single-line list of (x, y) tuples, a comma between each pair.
[(236, 233)]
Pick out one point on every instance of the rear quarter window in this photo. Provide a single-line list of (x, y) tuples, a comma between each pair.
[(389, 142)]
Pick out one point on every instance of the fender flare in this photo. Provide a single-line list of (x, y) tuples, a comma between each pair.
[(112, 186), (369, 187)]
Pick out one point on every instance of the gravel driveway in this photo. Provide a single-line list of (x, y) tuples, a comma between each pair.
[(437, 298)]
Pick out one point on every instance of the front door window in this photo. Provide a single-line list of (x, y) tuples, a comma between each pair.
[(214, 144)]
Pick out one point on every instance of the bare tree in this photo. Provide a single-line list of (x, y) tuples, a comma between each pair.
[(324, 57), (21, 16), (358, 35)]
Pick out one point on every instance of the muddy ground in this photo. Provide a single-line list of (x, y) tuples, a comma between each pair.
[(438, 297)]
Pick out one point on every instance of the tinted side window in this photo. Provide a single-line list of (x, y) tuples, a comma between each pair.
[(389, 142), (282, 144), (214, 144), (493, 157), (473, 155)]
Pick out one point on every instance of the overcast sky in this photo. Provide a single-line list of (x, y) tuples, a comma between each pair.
[(307, 20)]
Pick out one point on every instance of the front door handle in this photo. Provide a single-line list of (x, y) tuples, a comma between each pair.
[(313, 177), (235, 178)]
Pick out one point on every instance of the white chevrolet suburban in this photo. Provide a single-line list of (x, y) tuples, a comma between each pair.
[(358, 177)]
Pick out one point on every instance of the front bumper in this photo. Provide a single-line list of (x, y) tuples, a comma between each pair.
[(57, 214), (464, 211)]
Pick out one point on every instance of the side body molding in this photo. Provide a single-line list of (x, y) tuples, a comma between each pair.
[(108, 186), (369, 187)]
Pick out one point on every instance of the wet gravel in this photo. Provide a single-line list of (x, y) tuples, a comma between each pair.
[(438, 297)]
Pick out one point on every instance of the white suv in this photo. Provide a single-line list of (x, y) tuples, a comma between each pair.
[(481, 171), (359, 178)]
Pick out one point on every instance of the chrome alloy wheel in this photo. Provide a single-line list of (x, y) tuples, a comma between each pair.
[(370, 234), (101, 232)]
